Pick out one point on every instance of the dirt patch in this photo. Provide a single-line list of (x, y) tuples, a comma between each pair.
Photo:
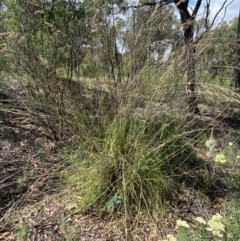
[(30, 166)]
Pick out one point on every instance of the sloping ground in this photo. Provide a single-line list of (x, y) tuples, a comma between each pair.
[(30, 166), (30, 182), (33, 206)]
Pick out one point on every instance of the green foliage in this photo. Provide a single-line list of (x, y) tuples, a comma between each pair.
[(197, 232), (69, 232), (92, 71), (232, 220), (145, 28), (22, 233), (129, 155), (211, 145), (113, 202), (217, 54), (22, 180), (133, 161), (217, 228), (46, 40)]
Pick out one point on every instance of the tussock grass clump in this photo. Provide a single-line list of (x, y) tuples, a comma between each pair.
[(132, 164)]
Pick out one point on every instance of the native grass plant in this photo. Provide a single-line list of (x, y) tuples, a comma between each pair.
[(130, 165), (127, 155), (132, 147), (122, 156)]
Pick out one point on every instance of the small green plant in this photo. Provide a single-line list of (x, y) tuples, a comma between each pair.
[(22, 233), (215, 225), (170, 237), (22, 180), (70, 234), (113, 202), (211, 145), (232, 220), (230, 154), (200, 229)]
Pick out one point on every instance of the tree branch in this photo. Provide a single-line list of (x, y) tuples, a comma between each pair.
[(207, 26), (162, 2), (144, 4), (207, 13), (197, 6), (216, 15), (238, 31), (182, 8)]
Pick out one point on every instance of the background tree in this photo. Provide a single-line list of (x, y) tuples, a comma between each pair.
[(236, 73), (149, 33), (216, 54), (188, 21), (48, 39), (103, 48)]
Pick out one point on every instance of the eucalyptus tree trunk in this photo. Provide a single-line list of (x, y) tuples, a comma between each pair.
[(188, 21)]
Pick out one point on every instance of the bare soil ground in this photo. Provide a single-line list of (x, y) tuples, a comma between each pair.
[(30, 184)]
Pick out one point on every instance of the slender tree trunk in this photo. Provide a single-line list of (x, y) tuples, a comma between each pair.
[(236, 71), (119, 78), (190, 67), (188, 30)]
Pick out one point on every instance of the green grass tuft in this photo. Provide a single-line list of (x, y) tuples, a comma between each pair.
[(133, 164)]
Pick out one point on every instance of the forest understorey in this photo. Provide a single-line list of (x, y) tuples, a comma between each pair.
[(31, 166)]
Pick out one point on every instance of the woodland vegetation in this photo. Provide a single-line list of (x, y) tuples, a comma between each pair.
[(119, 120)]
